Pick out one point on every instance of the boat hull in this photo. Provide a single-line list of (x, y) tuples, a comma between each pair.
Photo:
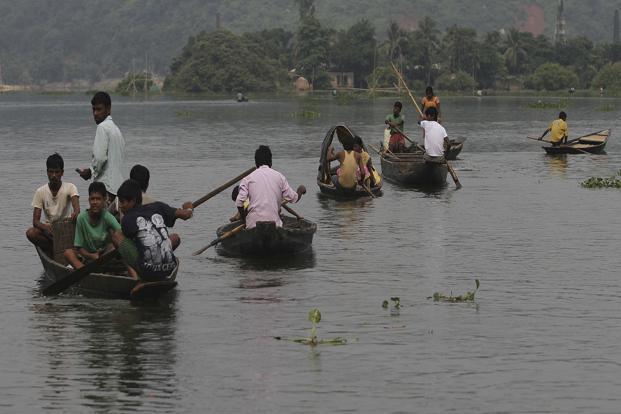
[(296, 236), (413, 170), (106, 285), (594, 143)]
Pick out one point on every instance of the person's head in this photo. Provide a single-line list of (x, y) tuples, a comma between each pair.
[(563, 116), (55, 168), (102, 106), (431, 114), (235, 193), (130, 195), (396, 108), (141, 174), (358, 144), (429, 92), (263, 156), (97, 196)]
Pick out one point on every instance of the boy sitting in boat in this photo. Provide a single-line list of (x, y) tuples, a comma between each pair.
[(435, 137), (58, 200), (144, 242), (558, 130), (265, 189), (350, 162), (93, 228)]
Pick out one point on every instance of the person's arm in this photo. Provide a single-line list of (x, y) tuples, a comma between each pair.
[(360, 164), (100, 152), (88, 255), (545, 133), (447, 143), (287, 192), (75, 204), (185, 212), (37, 223)]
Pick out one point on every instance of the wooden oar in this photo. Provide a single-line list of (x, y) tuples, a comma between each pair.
[(562, 145), (448, 165), (219, 239), (222, 188), (292, 211), (74, 277)]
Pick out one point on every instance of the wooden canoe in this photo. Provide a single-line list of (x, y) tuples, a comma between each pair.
[(410, 168), (113, 282), (593, 143), (324, 180), (295, 236), (456, 145)]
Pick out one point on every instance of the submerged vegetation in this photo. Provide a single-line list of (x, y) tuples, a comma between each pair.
[(467, 297), (561, 104)]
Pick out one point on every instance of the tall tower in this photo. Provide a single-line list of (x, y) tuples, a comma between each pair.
[(560, 33), (615, 28)]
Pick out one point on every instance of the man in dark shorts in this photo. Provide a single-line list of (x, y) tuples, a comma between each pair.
[(144, 243)]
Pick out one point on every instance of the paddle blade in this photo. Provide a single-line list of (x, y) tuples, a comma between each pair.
[(74, 277), (219, 239)]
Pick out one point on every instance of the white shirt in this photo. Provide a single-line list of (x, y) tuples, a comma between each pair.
[(55, 208), (108, 161), (434, 138)]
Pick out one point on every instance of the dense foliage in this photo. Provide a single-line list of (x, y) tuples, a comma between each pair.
[(42, 41)]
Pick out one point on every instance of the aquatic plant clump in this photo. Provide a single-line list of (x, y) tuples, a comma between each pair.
[(396, 303), (548, 105), (602, 182), (314, 316), (467, 297)]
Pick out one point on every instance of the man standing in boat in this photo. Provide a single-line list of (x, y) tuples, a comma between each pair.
[(558, 130), (396, 121), (265, 189), (435, 137), (108, 160)]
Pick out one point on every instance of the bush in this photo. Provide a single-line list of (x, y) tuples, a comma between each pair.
[(459, 81), (552, 77), (135, 82), (608, 78)]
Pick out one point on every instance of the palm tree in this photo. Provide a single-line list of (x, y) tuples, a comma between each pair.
[(514, 51), (396, 38), (427, 34)]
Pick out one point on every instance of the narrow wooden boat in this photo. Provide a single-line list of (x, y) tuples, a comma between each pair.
[(112, 282), (295, 236), (410, 168), (593, 143), (324, 180), (456, 145)]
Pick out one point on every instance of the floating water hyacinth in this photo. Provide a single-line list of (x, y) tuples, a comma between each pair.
[(396, 303), (467, 297), (602, 182), (314, 316), (548, 105), (306, 114)]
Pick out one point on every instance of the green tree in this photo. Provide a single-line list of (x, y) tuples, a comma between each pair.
[(456, 82), (514, 54), (354, 51), (491, 62), (461, 48), (426, 41), (223, 62), (608, 78), (553, 77), (312, 51)]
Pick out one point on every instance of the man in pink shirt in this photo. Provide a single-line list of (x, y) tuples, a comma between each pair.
[(265, 189)]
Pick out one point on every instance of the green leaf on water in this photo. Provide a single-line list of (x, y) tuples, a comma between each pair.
[(385, 304), (314, 316), (476, 281)]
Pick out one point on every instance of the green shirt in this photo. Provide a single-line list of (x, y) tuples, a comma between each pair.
[(398, 120), (94, 237)]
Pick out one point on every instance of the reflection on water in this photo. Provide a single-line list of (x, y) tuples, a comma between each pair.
[(558, 164), (123, 355)]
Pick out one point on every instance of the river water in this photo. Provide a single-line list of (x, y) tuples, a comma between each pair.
[(543, 335)]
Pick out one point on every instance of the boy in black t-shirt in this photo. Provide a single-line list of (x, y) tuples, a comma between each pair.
[(144, 244)]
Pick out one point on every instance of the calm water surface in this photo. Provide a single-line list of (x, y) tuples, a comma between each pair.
[(543, 335)]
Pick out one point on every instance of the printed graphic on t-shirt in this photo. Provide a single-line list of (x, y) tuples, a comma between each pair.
[(157, 252)]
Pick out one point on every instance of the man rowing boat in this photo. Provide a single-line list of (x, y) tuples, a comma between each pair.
[(265, 189), (558, 130)]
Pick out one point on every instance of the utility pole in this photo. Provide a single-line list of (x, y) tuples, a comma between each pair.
[(560, 30)]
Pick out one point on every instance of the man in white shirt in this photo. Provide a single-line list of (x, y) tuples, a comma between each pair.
[(434, 134), (57, 200), (108, 160)]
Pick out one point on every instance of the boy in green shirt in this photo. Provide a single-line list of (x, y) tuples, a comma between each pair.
[(395, 122), (93, 228)]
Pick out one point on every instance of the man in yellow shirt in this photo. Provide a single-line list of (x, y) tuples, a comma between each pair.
[(558, 130)]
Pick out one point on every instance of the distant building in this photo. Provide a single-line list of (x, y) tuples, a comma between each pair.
[(301, 84), (340, 80), (560, 30)]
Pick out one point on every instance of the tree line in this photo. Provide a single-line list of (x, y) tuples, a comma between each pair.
[(455, 59)]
